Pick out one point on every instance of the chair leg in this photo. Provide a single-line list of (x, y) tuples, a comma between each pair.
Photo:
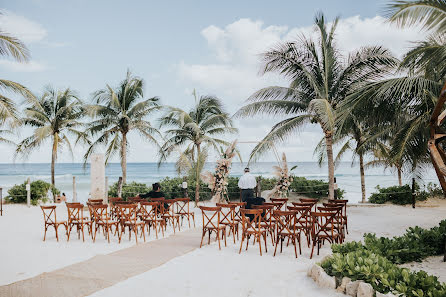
[(218, 238), (202, 236), (57, 235), (44, 236), (241, 243), (260, 243), (295, 248), (312, 250)]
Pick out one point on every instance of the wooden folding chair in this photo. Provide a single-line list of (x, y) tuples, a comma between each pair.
[(302, 222), (282, 201), (113, 209), (149, 214), (129, 219), (323, 229), (285, 230), (211, 223), (237, 215), (227, 217), (49, 217), (342, 202), (310, 200), (252, 227), (169, 214), (184, 211), (76, 218), (102, 221), (338, 219)]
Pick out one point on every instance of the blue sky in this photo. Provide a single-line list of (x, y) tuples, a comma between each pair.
[(176, 46)]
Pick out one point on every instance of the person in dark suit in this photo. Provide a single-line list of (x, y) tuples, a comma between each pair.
[(155, 193)]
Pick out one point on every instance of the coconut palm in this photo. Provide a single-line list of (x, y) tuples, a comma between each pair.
[(320, 79), (55, 116), (116, 113), (382, 158), (196, 131), (15, 49)]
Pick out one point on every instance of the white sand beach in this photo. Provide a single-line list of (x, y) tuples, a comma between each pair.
[(202, 272)]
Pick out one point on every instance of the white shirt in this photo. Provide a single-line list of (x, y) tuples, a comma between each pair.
[(247, 181)]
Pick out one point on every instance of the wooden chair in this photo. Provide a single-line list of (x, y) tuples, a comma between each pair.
[(267, 220), (227, 218), (285, 230), (211, 223), (149, 214), (276, 205), (252, 227), (302, 222), (76, 218), (342, 202), (184, 211), (310, 200), (49, 217), (237, 215), (338, 219), (282, 201), (160, 201), (102, 221), (96, 201), (168, 213), (323, 229), (128, 214), (113, 209)]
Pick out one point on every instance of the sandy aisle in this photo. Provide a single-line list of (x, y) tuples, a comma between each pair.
[(210, 272)]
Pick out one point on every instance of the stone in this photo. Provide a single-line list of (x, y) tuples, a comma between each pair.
[(326, 281), (315, 271), (342, 287), (365, 290), (351, 289)]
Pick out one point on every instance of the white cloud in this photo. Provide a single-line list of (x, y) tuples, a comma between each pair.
[(31, 66), (19, 26), (233, 73)]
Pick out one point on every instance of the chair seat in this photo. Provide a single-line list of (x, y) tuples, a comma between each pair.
[(214, 228)]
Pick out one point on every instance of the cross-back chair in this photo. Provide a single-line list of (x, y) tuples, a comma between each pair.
[(227, 218), (323, 229), (267, 222), (50, 219), (211, 223), (282, 201), (302, 222), (342, 202), (103, 221), (338, 219), (149, 214), (251, 226), (128, 214), (169, 213), (183, 210), (76, 219), (285, 229)]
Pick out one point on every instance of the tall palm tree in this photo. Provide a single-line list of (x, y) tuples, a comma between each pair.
[(15, 49), (197, 131), (320, 79), (382, 158), (117, 112), (54, 116)]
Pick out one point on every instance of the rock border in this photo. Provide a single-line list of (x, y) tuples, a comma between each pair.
[(356, 288)]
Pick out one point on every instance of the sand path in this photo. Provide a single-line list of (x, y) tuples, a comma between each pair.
[(102, 271)]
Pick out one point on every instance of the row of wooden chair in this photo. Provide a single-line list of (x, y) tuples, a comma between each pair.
[(319, 224)]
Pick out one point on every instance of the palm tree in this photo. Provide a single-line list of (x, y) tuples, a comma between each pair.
[(320, 80), (54, 116), (116, 113), (196, 131), (14, 48), (381, 158)]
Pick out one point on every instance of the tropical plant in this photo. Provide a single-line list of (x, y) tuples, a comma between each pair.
[(196, 131), (39, 192), (381, 158), (397, 195), (320, 80), (117, 112), (131, 189), (54, 116)]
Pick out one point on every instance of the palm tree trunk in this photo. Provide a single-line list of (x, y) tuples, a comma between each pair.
[(197, 172), (329, 145), (124, 158), (53, 163), (361, 171), (400, 180)]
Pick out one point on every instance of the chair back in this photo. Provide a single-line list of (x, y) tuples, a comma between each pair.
[(282, 201), (323, 223), (276, 205), (211, 217), (169, 206), (96, 201), (75, 212), (285, 221), (227, 213), (128, 213), (99, 213), (49, 214), (149, 210), (267, 212), (183, 206), (239, 205), (251, 219), (303, 216)]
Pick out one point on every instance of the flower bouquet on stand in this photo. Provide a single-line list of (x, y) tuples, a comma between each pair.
[(281, 189)]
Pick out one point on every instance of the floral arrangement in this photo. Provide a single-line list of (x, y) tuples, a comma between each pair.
[(281, 189), (218, 181)]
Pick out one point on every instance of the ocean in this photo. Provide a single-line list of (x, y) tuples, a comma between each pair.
[(347, 176)]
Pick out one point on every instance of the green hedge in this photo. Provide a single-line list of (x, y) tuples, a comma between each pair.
[(39, 191), (376, 261), (397, 195), (312, 188), (128, 190)]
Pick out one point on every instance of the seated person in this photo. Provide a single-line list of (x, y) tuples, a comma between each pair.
[(155, 193)]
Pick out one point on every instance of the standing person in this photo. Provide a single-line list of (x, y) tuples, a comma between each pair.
[(247, 183), (335, 189), (155, 193)]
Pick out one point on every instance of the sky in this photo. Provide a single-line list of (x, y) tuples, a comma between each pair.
[(176, 47)]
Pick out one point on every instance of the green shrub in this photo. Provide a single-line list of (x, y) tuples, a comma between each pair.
[(128, 190), (397, 195), (382, 274), (39, 191), (434, 190), (312, 188)]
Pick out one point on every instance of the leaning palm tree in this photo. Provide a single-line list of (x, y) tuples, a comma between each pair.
[(381, 158), (54, 116), (15, 49), (320, 79), (117, 112), (197, 131)]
